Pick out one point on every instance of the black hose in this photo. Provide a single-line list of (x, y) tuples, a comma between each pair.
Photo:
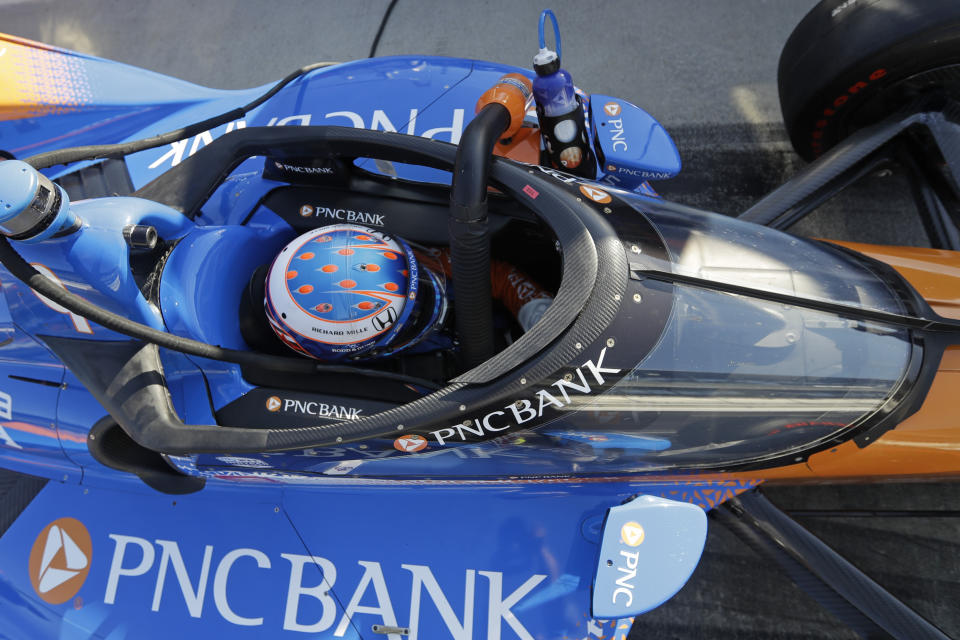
[(100, 151), (470, 234), (383, 25)]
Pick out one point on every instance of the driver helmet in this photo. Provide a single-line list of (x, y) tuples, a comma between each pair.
[(346, 291)]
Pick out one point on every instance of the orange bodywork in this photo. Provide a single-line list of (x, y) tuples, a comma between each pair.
[(928, 442), (522, 147), (38, 80)]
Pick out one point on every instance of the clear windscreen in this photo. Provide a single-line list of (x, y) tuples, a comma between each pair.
[(723, 249), (735, 379)]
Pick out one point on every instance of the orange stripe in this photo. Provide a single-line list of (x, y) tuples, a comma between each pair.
[(46, 432)]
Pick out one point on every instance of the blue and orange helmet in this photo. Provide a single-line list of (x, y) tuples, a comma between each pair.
[(346, 291)]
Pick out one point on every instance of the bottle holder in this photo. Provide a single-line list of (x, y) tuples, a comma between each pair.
[(567, 146)]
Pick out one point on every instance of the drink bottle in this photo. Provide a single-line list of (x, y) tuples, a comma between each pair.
[(560, 113)]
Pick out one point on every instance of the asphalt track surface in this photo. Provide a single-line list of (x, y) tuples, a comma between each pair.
[(707, 70)]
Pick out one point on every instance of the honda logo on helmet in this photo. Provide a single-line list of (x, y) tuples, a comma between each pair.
[(384, 320), (60, 560)]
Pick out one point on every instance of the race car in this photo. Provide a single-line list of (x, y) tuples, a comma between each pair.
[(238, 343)]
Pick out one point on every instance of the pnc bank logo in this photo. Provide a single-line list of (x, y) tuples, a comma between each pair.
[(632, 534), (410, 444), (612, 109), (306, 211), (597, 195), (273, 404), (60, 560)]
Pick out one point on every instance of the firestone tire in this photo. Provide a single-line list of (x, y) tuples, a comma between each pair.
[(850, 63)]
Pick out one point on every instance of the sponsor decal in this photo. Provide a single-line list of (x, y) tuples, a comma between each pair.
[(628, 571), (343, 468), (530, 191), (202, 581), (178, 150), (558, 175), (555, 396), (343, 215), (313, 408), (816, 143), (612, 108), (635, 173), (608, 629), (379, 120), (597, 195), (80, 324), (632, 534), (384, 320), (6, 413), (618, 138), (239, 461), (411, 443), (314, 171), (60, 560), (524, 289)]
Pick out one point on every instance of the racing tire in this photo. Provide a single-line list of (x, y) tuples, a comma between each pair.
[(850, 63)]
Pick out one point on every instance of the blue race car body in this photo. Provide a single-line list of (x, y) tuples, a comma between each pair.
[(553, 492)]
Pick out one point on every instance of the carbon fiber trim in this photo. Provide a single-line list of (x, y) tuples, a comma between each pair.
[(104, 179), (17, 490), (837, 585)]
